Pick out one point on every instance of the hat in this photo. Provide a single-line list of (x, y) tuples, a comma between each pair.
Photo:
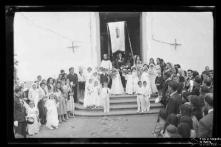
[(171, 129)]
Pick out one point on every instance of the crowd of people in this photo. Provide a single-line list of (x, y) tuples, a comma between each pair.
[(188, 103), (187, 96)]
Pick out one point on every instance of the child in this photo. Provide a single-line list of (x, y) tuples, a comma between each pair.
[(61, 102), (146, 94), (139, 93), (105, 95), (81, 81), (135, 79), (52, 114), (88, 93), (145, 75), (95, 94), (70, 101), (129, 85), (32, 112)]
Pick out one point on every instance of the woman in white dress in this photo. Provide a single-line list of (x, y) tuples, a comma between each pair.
[(152, 77), (117, 86), (135, 79), (88, 94), (52, 114), (88, 75), (145, 74), (95, 94), (33, 94), (129, 84)]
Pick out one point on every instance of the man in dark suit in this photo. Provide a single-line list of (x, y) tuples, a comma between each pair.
[(73, 78), (206, 123), (19, 114), (175, 100), (167, 78)]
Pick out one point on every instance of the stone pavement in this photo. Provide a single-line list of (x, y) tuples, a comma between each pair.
[(132, 126)]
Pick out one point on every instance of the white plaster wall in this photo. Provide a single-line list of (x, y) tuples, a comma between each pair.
[(194, 30), (40, 51)]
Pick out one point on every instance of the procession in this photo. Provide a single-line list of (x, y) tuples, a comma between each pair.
[(114, 78)]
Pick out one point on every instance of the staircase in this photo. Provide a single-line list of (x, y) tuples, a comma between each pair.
[(119, 105)]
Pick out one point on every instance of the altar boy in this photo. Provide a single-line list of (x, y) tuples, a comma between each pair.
[(105, 96), (139, 92), (146, 97)]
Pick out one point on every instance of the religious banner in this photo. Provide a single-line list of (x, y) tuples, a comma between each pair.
[(117, 35)]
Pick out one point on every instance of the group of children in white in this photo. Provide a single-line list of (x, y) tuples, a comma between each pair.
[(98, 94)]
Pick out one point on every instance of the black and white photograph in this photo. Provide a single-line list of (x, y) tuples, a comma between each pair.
[(104, 74)]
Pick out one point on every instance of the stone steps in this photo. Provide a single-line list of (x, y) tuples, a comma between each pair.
[(123, 100), (119, 105), (113, 113)]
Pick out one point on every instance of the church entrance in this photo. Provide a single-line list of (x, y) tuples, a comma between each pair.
[(133, 26)]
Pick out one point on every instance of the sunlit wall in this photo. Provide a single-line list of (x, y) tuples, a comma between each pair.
[(41, 42)]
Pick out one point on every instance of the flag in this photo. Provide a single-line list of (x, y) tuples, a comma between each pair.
[(117, 35)]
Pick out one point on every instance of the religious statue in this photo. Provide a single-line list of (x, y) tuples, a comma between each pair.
[(119, 61)]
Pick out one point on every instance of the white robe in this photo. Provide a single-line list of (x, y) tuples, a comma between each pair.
[(33, 95), (95, 96), (88, 99), (146, 93), (106, 64), (129, 84), (135, 81), (52, 113), (117, 86)]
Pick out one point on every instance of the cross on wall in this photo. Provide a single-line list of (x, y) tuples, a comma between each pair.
[(73, 47), (175, 44)]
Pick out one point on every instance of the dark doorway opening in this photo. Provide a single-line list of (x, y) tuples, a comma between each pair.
[(133, 26)]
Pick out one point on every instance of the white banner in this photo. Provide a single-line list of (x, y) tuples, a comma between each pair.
[(117, 35)]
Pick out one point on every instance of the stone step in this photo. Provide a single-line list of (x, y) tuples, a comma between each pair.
[(117, 107), (125, 100), (122, 96), (117, 101), (113, 113)]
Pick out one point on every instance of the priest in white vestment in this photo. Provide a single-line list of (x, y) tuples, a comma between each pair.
[(105, 63)]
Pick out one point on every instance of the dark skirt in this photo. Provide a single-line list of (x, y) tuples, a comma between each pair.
[(42, 111), (21, 129), (81, 85)]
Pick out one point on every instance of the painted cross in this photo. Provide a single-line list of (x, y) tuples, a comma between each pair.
[(175, 44), (73, 46), (117, 32)]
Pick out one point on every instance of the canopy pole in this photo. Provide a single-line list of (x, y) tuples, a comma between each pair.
[(129, 40), (108, 33)]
